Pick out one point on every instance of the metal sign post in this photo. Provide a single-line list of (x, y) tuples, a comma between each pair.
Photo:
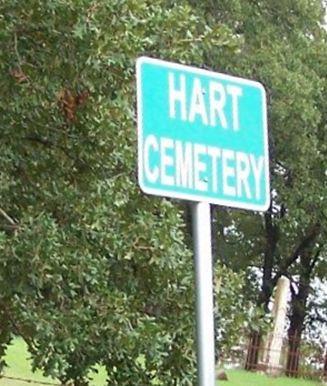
[(202, 137), (204, 293)]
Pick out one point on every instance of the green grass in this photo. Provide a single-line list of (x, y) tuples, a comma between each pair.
[(245, 378), (20, 367)]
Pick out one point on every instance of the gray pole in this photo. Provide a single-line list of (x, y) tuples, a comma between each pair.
[(204, 293)]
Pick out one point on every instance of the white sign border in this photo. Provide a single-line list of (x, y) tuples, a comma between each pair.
[(193, 197)]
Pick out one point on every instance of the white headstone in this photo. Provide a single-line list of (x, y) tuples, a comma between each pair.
[(275, 339)]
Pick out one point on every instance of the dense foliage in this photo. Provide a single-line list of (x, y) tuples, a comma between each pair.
[(91, 270), (284, 46)]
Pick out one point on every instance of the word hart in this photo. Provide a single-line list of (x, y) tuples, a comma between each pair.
[(207, 102)]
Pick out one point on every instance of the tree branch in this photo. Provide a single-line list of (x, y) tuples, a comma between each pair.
[(7, 217), (17, 329), (47, 142), (316, 257), (305, 244)]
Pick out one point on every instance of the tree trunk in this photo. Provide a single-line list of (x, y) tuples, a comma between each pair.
[(325, 366), (298, 313), (293, 355), (266, 289), (268, 284)]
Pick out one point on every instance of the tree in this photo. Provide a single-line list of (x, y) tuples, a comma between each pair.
[(284, 47), (300, 290), (92, 271)]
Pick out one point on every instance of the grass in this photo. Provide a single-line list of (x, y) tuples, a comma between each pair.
[(245, 378), (20, 367)]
